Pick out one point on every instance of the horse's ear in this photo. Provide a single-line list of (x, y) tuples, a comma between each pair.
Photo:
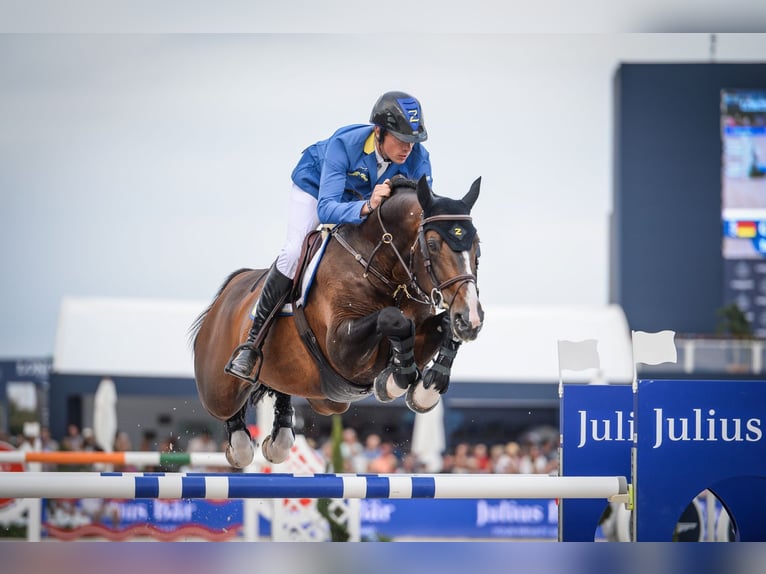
[(425, 197), (473, 194)]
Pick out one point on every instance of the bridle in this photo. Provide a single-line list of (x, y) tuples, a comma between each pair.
[(436, 298)]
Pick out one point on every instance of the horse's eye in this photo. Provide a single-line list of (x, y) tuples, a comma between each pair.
[(433, 245)]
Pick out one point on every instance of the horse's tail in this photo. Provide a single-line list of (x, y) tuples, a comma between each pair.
[(197, 324)]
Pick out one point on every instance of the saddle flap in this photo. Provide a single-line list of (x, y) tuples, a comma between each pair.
[(311, 254)]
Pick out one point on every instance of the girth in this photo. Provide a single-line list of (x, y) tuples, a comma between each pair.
[(333, 385)]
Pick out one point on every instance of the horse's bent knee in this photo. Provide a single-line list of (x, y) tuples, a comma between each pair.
[(393, 323)]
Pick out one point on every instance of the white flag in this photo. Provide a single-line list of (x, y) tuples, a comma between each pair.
[(578, 355), (654, 348)]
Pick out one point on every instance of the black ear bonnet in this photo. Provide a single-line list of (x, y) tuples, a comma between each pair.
[(458, 233)]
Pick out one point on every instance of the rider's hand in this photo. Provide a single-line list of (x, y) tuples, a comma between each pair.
[(380, 193)]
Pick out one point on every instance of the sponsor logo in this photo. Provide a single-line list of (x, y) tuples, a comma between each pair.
[(616, 428), (363, 175), (511, 512), (376, 511), (704, 425)]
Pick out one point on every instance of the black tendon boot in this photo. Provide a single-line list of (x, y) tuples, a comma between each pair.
[(405, 370), (274, 292), (438, 375)]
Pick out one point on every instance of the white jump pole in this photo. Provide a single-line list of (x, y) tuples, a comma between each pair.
[(257, 485)]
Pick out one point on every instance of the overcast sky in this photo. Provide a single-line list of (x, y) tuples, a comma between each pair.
[(152, 165)]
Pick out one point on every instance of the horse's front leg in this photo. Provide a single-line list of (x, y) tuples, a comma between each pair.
[(402, 372), (421, 398), (276, 447), (239, 452)]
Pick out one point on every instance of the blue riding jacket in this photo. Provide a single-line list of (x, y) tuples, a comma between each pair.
[(341, 172)]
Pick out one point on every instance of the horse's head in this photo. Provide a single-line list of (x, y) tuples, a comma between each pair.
[(449, 247)]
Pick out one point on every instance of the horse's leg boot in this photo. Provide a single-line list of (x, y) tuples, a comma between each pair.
[(438, 374), (405, 370), (276, 447), (243, 361), (422, 398)]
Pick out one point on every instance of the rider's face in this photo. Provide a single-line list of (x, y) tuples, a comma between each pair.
[(395, 149)]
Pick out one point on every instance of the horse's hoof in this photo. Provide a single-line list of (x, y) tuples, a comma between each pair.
[(240, 452), (420, 399), (385, 388), (277, 451)]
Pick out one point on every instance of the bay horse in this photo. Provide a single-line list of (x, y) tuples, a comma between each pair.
[(388, 297)]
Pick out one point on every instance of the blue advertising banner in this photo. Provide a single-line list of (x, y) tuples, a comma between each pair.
[(381, 519), (112, 519), (695, 435), (471, 519), (597, 425)]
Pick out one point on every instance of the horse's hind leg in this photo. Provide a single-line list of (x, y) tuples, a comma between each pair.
[(402, 372), (240, 451), (276, 447)]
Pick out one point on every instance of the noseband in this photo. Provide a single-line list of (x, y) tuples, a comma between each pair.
[(436, 298)]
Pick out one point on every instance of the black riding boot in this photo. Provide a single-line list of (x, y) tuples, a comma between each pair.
[(275, 290)]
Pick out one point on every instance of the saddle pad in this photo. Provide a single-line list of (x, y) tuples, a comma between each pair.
[(307, 279)]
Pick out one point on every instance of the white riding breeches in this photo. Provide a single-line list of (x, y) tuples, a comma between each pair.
[(302, 219)]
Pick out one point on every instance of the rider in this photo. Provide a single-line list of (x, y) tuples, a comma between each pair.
[(340, 180)]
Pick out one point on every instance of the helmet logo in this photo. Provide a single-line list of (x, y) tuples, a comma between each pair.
[(411, 111)]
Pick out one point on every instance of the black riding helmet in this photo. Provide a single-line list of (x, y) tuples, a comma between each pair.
[(400, 114)]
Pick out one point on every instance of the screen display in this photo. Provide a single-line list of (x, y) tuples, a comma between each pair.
[(743, 119), (743, 202)]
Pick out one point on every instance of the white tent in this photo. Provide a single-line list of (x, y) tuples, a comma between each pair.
[(130, 337), (136, 337), (520, 343)]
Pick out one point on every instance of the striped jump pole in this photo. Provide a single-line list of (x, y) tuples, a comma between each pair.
[(137, 458), (258, 485)]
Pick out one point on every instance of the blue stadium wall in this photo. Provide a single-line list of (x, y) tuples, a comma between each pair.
[(666, 268)]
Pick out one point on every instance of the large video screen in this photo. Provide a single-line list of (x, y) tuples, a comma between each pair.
[(743, 202)]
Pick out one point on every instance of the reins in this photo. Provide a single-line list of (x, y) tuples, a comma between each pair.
[(436, 298)]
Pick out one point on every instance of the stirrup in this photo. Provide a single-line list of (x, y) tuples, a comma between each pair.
[(256, 366)]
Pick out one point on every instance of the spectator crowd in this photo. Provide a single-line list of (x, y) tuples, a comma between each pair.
[(372, 454)]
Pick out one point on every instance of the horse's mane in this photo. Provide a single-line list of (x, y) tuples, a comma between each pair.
[(403, 190)]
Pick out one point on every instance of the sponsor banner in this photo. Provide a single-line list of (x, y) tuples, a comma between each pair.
[(696, 435), (169, 520), (597, 424), (473, 519), (704, 420), (69, 519)]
